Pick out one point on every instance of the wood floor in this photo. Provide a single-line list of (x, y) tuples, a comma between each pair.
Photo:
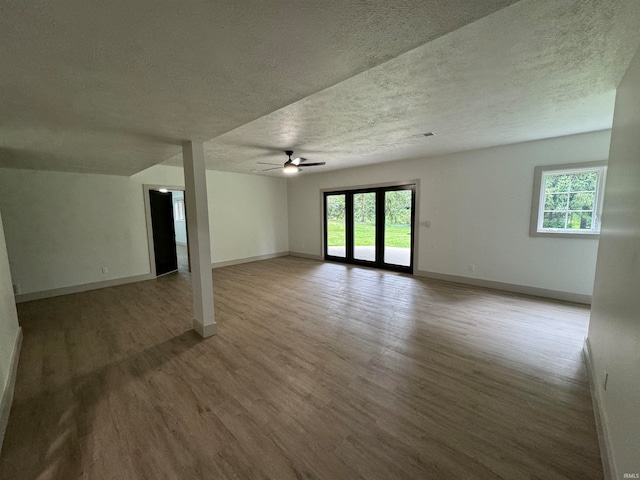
[(319, 371)]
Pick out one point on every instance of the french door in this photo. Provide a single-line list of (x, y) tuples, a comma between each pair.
[(372, 227)]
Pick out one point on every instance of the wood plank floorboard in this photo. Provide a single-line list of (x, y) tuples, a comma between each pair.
[(319, 371)]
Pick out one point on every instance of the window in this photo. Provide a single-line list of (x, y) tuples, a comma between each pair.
[(178, 210), (567, 200)]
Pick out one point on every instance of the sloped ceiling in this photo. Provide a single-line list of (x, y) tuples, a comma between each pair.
[(115, 87)]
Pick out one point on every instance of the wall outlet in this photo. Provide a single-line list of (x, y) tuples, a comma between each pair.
[(606, 380), (472, 267), (16, 289), (425, 223), (105, 270)]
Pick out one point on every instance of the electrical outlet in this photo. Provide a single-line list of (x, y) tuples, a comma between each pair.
[(425, 223), (105, 270), (472, 267), (606, 380)]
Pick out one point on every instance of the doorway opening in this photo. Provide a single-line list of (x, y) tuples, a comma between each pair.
[(371, 226), (180, 227), (167, 230)]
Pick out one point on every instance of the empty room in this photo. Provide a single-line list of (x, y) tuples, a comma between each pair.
[(320, 240)]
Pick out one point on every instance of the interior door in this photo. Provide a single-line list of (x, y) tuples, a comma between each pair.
[(164, 235)]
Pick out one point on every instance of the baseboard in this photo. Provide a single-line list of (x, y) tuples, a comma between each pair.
[(508, 287), (239, 261), (608, 465), (7, 395), (306, 255), (56, 292), (205, 331)]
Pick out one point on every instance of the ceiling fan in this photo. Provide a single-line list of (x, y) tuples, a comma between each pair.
[(292, 166)]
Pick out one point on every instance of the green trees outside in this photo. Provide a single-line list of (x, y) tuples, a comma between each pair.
[(397, 207), (397, 212), (569, 200), (335, 207)]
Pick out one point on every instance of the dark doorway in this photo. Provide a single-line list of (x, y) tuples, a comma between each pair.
[(373, 227), (164, 235)]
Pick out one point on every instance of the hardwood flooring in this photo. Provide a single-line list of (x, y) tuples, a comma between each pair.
[(319, 371)]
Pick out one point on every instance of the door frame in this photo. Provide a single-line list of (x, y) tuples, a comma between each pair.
[(367, 188), (147, 212)]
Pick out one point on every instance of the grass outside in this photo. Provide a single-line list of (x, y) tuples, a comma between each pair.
[(365, 235)]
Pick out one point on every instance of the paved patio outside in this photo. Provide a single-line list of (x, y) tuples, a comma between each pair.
[(392, 255)]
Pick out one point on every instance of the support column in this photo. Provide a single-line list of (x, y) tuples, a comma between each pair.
[(195, 182)]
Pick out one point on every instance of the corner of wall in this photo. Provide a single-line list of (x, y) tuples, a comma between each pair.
[(602, 423), (7, 394)]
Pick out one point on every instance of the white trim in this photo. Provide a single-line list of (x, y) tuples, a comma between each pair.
[(56, 292), (7, 393), (597, 200), (416, 226), (537, 202), (257, 258), (602, 424), (205, 330), (322, 224), (371, 185), (308, 256), (508, 287)]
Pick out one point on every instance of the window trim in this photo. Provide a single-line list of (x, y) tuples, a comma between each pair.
[(537, 204), (179, 210)]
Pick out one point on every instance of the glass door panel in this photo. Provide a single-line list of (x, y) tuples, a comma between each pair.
[(397, 227), (336, 225), (364, 226), (373, 226)]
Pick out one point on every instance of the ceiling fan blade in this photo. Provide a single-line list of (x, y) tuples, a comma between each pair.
[(315, 164), (265, 163), (269, 169), (298, 160)]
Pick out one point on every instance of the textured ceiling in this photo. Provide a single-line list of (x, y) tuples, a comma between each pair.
[(537, 69), (114, 87)]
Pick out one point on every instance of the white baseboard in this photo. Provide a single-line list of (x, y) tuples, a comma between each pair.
[(56, 292), (239, 261), (508, 287), (602, 424), (7, 395), (306, 255), (27, 297), (205, 331)]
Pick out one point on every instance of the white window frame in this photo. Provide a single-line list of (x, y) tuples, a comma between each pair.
[(537, 204), (179, 213)]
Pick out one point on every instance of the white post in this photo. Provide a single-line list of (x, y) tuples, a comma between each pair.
[(195, 182)]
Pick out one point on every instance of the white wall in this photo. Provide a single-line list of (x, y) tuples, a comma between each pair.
[(479, 205), (614, 331), (247, 215), (9, 330), (62, 228), (180, 226)]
